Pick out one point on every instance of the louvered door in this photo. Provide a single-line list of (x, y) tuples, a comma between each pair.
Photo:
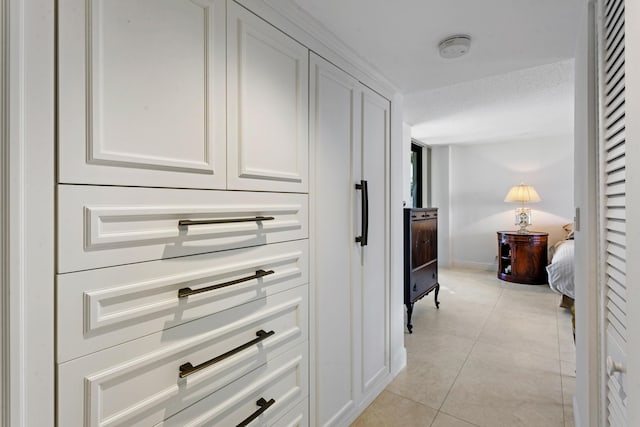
[(613, 209)]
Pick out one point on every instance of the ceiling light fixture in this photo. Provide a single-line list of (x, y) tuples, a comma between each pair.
[(455, 46)]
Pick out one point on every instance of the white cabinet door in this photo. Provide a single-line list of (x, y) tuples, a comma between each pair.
[(141, 89), (267, 101), (350, 142), (334, 139), (374, 294)]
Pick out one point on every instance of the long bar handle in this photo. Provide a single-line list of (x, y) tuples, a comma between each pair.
[(263, 406), (363, 239), (188, 222), (185, 292), (188, 369)]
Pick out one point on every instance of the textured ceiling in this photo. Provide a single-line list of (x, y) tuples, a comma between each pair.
[(516, 82), (525, 104), (400, 37)]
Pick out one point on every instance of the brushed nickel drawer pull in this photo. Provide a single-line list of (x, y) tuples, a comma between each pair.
[(263, 406), (188, 222), (185, 292), (188, 369)]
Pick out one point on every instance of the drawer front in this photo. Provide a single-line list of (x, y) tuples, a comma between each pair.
[(104, 307), (105, 226), (423, 279), (284, 379), (297, 417), (139, 382)]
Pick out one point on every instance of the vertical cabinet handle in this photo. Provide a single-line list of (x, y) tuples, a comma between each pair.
[(263, 406), (364, 236)]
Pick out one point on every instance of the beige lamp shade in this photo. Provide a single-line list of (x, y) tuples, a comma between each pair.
[(522, 193)]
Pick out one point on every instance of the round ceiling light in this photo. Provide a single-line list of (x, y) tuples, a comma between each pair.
[(455, 46)]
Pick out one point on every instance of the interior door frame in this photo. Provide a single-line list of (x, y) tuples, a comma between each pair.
[(587, 401)]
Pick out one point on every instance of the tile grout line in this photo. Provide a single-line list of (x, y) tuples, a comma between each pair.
[(458, 418), (475, 342)]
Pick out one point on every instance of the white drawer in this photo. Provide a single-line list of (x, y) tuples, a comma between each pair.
[(105, 226), (297, 417), (281, 383), (138, 383), (104, 307)]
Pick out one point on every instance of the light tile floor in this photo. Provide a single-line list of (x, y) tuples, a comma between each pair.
[(495, 354)]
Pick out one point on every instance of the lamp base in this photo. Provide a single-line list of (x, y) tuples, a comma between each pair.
[(523, 219)]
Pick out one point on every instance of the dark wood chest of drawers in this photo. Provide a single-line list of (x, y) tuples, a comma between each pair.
[(420, 256)]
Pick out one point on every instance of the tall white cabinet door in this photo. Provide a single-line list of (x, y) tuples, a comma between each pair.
[(142, 93), (374, 293), (334, 141), (267, 99)]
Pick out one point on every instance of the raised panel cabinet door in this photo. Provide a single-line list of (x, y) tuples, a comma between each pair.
[(374, 286), (529, 258), (142, 93), (267, 103), (334, 136)]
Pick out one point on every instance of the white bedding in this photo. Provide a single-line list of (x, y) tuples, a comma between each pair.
[(561, 269)]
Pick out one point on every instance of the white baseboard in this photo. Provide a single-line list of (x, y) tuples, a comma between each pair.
[(486, 266)]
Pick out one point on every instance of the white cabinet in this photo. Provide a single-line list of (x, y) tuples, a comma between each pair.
[(178, 302), (349, 143), (267, 99), (158, 93), (141, 89)]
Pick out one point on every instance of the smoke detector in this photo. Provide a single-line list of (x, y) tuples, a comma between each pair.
[(455, 46)]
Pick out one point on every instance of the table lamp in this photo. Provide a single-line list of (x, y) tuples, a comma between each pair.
[(522, 194)]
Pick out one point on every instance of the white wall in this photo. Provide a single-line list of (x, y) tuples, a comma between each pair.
[(399, 152), (406, 164), (471, 185), (440, 199)]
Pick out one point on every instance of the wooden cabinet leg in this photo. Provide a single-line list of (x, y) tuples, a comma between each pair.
[(436, 296), (409, 313)]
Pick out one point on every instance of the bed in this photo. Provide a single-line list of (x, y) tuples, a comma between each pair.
[(561, 271)]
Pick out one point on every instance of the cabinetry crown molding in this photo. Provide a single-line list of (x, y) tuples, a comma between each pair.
[(290, 10)]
